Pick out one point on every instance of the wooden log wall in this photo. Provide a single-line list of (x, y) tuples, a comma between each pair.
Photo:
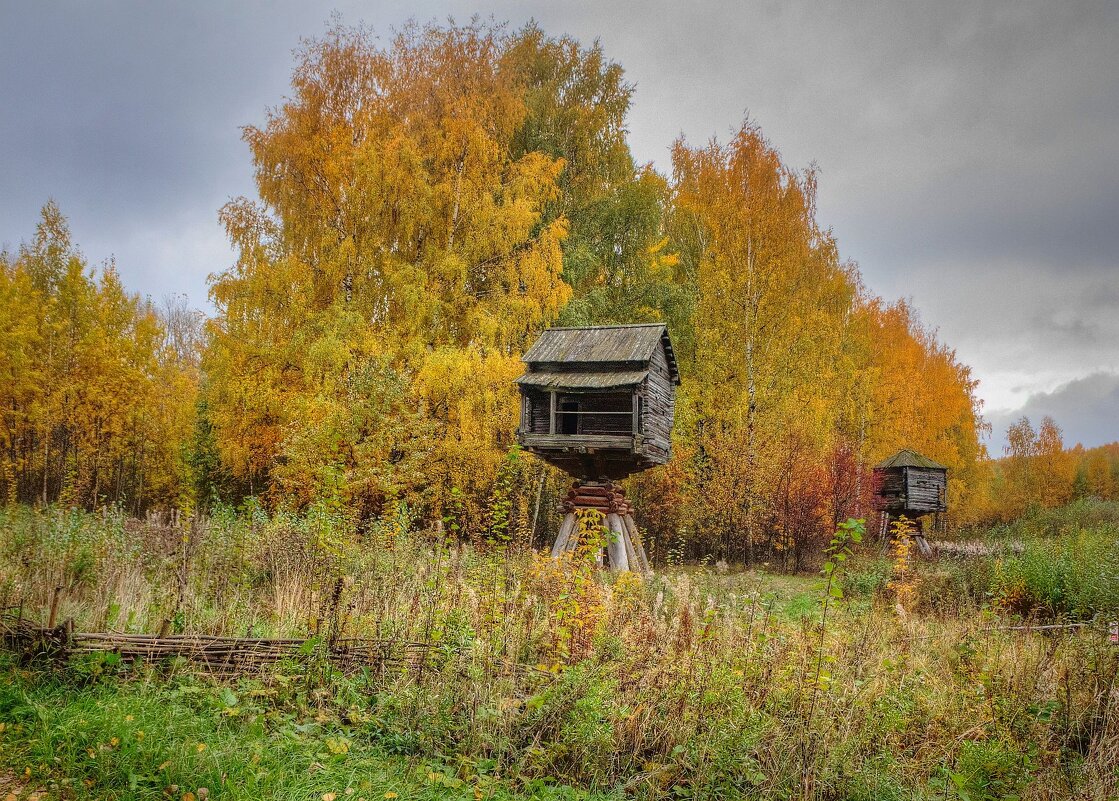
[(658, 408), (619, 405), (538, 412), (605, 497), (925, 489), (911, 490)]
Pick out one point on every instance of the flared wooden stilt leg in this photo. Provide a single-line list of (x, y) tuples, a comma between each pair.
[(573, 541), (616, 547), (624, 550), (631, 551), (568, 537), (635, 540), (922, 543)]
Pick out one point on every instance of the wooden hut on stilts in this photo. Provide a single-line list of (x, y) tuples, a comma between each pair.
[(598, 403), (910, 485)]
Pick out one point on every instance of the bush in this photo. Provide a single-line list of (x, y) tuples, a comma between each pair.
[(1075, 577), (867, 578), (991, 771), (1052, 564)]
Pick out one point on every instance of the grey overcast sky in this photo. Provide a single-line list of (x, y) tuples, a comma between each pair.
[(969, 150)]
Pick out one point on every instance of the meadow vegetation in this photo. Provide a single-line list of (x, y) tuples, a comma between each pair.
[(558, 680)]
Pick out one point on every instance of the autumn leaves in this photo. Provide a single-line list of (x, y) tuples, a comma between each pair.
[(424, 208)]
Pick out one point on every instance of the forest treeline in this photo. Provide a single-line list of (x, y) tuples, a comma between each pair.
[(424, 209)]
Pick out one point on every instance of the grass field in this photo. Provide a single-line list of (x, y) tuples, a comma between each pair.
[(559, 681)]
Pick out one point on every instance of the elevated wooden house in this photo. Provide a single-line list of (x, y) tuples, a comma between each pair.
[(911, 484), (599, 402)]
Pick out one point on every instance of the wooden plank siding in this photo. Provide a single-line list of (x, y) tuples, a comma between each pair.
[(658, 394), (912, 491), (600, 401)]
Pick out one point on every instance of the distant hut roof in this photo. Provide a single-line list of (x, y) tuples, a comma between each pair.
[(621, 346), (908, 458)]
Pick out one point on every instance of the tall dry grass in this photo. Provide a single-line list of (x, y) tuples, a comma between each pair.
[(692, 683)]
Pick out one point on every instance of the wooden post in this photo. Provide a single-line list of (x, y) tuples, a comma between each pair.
[(922, 543), (567, 528), (631, 552), (552, 412), (616, 548), (625, 551), (53, 617), (635, 538)]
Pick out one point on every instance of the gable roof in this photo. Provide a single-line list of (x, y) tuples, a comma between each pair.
[(578, 379), (629, 345), (908, 458)]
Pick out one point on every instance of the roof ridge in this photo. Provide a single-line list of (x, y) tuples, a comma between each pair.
[(612, 325), (910, 458)]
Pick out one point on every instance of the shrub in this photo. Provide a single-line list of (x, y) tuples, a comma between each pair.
[(867, 578)]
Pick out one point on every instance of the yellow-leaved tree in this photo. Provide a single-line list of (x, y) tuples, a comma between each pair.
[(770, 303), (97, 402), (394, 268)]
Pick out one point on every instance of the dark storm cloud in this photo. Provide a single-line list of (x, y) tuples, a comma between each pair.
[(1087, 410), (969, 152)]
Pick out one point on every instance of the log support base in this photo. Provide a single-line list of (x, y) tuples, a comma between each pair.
[(624, 549), (918, 535)]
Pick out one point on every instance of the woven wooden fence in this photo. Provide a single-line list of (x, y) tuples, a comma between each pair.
[(219, 655)]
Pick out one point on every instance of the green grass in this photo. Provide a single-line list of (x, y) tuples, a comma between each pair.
[(791, 596), (1052, 565), (137, 734)]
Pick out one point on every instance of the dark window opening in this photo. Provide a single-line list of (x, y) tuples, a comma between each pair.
[(569, 417), (595, 414)]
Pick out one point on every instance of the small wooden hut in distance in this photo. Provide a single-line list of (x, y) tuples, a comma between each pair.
[(598, 402), (911, 484)]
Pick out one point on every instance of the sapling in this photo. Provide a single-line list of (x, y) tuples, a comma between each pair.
[(836, 555)]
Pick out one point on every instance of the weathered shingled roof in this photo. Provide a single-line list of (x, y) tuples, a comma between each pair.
[(629, 345), (597, 379), (908, 458)]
